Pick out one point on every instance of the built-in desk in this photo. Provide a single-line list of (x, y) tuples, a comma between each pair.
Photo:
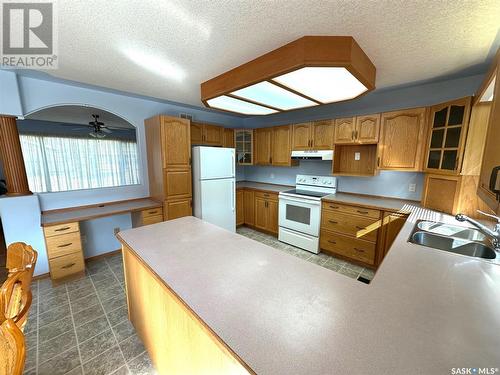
[(62, 230)]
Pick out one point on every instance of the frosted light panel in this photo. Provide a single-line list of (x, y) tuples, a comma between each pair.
[(275, 96), (235, 105), (325, 84)]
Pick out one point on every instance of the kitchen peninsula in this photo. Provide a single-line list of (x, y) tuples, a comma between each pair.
[(205, 300)]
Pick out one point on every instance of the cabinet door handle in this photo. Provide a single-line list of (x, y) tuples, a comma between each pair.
[(68, 265), (356, 134), (333, 242), (378, 161), (66, 244), (332, 221), (352, 135), (61, 229), (362, 212)]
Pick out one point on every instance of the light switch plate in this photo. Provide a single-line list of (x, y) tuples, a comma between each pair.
[(357, 156), (412, 187)]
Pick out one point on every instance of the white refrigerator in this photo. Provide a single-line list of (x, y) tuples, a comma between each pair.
[(214, 185)]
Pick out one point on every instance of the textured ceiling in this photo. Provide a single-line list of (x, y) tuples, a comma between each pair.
[(166, 48)]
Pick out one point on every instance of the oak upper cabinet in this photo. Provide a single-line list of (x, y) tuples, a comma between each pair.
[(322, 134), (402, 140), (262, 146), (176, 145), (317, 135), (356, 130), (206, 134), (301, 139), (344, 130), (281, 146), (228, 140), (367, 129), (240, 207), (447, 134)]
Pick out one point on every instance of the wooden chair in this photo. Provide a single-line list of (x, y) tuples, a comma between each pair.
[(15, 298), (20, 257), (12, 349)]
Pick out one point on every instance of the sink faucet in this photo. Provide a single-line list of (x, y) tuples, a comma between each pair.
[(493, 233)]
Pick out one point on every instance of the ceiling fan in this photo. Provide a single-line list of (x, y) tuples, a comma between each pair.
[(100, 130)]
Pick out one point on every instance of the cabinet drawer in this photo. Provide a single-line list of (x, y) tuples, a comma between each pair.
[(353, 248), (63, 244), (264, 195), (56, 230), (152, 212), (354, 210), (152, 219), (66, 265), (349, 225)]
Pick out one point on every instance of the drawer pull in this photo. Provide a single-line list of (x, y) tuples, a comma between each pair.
[(360, 228), (335, 207), (266, 195), (68, 265), (362, 212), (359, 250), (333, 242), (66, 244), (62, 229), (153, 212), (333, 221)]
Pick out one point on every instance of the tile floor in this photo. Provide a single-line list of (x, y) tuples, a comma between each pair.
[(348, 269), (81, 327)]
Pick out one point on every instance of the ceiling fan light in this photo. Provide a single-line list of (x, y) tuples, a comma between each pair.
[(325, 84), (228, 103), (272, 95)]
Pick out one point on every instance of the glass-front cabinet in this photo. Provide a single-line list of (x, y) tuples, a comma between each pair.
[(447, 135), (244, 146)]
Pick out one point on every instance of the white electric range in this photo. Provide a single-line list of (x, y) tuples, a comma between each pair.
[(300, 211)]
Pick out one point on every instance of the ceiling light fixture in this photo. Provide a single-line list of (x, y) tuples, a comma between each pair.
[(309, 71)]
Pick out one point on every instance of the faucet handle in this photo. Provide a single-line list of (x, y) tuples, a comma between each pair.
[(489, 215)]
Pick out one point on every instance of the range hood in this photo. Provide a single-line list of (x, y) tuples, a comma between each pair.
[(313, 154)]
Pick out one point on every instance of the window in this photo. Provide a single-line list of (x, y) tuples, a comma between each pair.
[(55, 163)]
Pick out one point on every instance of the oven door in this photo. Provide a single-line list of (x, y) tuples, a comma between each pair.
[(301, 215)]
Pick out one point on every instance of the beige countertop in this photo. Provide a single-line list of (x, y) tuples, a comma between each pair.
[(69, 215), (425, 312), (371, 201), (262, 186)]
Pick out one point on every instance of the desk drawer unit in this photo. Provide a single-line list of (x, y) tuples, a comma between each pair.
[(66, 265), (63, 244), (146, 217), (64, 249)]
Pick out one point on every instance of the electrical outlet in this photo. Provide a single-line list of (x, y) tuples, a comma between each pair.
[(357, 156), (116, 230), (412, 187)]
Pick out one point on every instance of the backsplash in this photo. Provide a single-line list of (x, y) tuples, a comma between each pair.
[(387, 183)]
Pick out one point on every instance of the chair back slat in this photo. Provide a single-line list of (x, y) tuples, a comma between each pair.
[(12, 349), (15, 298)]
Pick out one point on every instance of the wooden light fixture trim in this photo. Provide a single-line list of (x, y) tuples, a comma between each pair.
[(308, 51)]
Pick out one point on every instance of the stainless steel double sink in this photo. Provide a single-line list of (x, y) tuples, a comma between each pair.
[(455, 239)]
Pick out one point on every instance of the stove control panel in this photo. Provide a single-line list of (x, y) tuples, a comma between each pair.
[(322, 181)]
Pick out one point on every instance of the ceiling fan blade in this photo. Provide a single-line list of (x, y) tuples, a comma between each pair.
[(106, 130)]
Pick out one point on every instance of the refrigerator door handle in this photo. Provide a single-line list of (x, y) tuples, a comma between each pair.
[(234, 164), (233, 195)]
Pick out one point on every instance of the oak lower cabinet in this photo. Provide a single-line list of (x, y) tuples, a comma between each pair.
[(402, 140), (240, 207), (358, 234), (257, 209), (173, 209), (64, 250), (147, 217)]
